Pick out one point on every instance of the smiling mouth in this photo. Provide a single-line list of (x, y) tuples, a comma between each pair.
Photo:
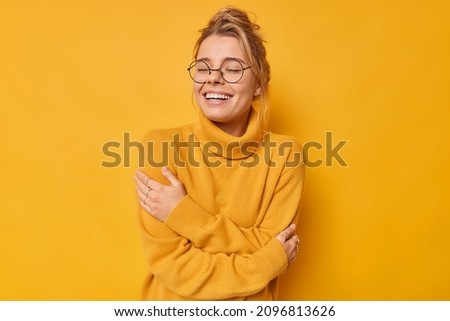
[(214, 96)]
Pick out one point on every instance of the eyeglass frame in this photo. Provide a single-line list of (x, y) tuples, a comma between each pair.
[(210, 70)]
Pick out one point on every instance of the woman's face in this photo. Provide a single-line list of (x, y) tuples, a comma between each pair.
[(230, 112)]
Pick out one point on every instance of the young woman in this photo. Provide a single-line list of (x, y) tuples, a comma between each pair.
[(219, 196)]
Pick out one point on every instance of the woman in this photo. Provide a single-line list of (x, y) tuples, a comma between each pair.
[(219, 196)]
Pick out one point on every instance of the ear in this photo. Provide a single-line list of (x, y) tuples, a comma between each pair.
[(257, 93)]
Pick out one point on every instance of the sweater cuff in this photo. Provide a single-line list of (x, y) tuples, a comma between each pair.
[(272, 259), (188, 218)]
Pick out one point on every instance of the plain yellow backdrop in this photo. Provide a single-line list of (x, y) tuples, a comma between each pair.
[(75, 75)]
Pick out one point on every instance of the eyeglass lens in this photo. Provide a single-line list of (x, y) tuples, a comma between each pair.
[(231, 71)]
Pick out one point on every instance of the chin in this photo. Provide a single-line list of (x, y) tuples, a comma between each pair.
[(214, 113)]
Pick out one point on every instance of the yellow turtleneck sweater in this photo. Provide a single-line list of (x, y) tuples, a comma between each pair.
[(218, 243)]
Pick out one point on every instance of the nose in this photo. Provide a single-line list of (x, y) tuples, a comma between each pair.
[(215, 77)]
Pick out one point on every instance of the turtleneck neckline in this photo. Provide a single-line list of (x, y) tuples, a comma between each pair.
[(231, 147)]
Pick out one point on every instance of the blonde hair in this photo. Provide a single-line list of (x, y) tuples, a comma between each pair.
[(234, 22)]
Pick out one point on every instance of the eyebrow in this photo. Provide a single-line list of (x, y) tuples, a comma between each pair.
[(209, 60)]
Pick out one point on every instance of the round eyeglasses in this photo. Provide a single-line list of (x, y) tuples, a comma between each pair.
[(231, 70)]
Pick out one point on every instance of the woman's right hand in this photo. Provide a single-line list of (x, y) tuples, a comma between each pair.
[(290, 242)]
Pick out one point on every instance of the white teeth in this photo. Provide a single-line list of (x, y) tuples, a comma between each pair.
[(216, 96)]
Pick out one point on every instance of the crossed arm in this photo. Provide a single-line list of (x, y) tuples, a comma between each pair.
[(171, 204), (239, 264)]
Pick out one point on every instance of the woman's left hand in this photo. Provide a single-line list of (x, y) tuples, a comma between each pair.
[(157, 199)]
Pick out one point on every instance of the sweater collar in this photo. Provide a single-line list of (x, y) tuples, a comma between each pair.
[(220, 143)]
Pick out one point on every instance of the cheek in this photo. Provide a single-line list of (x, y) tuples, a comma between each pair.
[(248, 86), (197, 87), (246, 92), (196, 92)]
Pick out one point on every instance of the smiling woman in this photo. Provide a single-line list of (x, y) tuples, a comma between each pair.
[(221, 230)]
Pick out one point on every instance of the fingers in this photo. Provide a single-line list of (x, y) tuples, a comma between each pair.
[(143, 182), (291, 247), (142, 191), (149, 182), (286, 233), (289, 230), (290, 242), (295, 240), (145, 206), (144, 185), (170, 176), (138, 175), (159, 199)]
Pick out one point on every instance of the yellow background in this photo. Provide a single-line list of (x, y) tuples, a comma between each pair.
[(77, 74)]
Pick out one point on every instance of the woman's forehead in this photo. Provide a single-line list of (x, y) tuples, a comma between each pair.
[(218, 48)]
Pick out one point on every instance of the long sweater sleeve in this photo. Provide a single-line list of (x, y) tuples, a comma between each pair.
[(216, 232), (196, 274)]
